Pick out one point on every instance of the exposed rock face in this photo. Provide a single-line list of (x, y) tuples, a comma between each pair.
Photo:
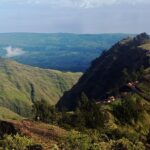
[(105, 73)]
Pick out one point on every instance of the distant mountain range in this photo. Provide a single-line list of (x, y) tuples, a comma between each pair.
[(126, 62), (60, 51), (21, 86)]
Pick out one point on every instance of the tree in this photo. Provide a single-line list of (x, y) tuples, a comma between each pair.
[(129, 109), (44, 112), (125, 75), (32, 93), (83, 102), (88, 113), (134, 76), (95, 117), (141, 71)]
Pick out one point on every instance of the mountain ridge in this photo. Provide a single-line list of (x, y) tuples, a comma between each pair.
[(103, 78)]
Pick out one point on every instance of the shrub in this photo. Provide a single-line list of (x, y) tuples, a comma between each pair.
[(121, 144), (78, 141), (125, 144), (129, 110), (15, 142)]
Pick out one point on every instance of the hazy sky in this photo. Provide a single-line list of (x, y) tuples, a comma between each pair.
[(75, 16)]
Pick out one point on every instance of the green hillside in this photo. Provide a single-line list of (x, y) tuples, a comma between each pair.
[(21, 85), (5, 113)]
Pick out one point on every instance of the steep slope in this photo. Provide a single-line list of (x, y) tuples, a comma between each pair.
[(109, 72), (144, 85), (21, 85)]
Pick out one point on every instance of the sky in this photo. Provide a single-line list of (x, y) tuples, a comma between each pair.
[(75, 16)]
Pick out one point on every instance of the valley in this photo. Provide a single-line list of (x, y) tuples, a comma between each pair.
[(105, 108), (74, 75), (21, 85)]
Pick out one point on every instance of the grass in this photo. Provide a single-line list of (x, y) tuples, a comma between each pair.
[(7, 114), (19, 82), (145, 46)]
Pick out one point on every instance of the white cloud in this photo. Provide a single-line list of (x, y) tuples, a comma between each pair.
[(12, 52), (76, 3), (93, 3), (97, 3)]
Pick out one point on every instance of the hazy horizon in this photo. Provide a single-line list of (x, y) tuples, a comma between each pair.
[(75, 16), (69, 33)]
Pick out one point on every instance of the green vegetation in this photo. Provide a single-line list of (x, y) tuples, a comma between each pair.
[(145, 46), (88, 114), (16, 142), (123, 73), (44, 112), (21, 85), (60, 51), (110, 106), (8, 114), (120, 125), (129, 109), (79, 141)]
